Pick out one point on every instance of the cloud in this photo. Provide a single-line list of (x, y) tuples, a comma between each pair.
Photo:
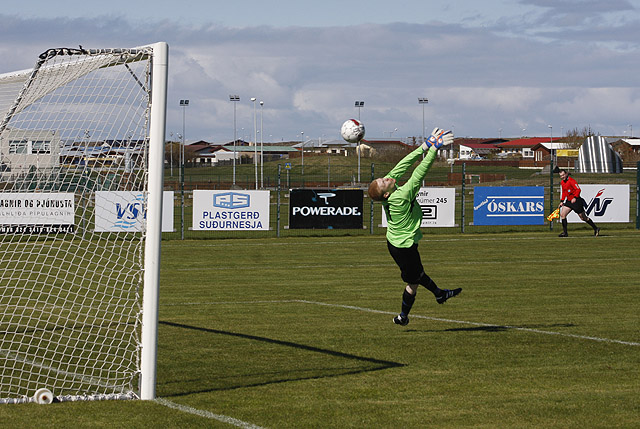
[(508, 74)]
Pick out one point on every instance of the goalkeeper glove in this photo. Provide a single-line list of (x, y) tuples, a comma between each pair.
[(438, 139)]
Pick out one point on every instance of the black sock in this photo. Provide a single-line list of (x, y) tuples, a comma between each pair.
[(407, 302), (591, 224), (564, 225), (428, 283)]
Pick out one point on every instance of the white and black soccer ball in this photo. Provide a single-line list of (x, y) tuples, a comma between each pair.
[(352, 131)]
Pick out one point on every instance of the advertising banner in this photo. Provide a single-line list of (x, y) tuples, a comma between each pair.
[(438, 207), (508, 205), (325, 209), (604, 203), (37, 213), (124, 211), (230, 210)]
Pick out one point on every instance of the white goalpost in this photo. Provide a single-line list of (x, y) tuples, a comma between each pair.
[(81, 171)]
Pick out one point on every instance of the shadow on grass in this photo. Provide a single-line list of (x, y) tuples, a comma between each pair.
[(262, 378), (502, 328)]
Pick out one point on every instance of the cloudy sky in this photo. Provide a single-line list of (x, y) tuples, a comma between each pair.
[(488, 68)]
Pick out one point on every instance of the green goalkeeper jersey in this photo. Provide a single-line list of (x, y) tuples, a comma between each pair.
[(404, 214)]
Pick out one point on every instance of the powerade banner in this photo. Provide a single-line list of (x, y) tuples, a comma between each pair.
[(438, 207), (508, 205), (230, 210), (124, 211), (604, 203), (325, 208)]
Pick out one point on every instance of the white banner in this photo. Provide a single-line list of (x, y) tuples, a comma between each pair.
[(124, 211), (230, 210), (438, 207), (30, 208), (605, 203)]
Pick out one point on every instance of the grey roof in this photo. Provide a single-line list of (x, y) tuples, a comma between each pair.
[(264, 148)]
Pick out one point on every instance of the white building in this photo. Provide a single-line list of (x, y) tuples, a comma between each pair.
[(23, 150)]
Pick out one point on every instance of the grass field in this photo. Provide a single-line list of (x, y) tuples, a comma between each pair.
[(297, 333)]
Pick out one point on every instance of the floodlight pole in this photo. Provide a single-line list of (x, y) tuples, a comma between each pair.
[(553, 153), (234, 99), (261, 147), (184, 104), (255, 140), (358, 104), (423, 101)]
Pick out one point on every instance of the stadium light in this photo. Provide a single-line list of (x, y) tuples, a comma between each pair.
[(359, 104), (234, 99), (183, 104), (423, 101)]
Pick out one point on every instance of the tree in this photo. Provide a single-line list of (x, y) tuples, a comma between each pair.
[(575, 137), (172, 153)]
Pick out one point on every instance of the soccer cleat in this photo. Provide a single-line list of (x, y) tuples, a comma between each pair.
[(563, 234), (401, 320), (446, 294), (596, 232)]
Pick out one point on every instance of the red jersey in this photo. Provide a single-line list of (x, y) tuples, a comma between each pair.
[(570, 189)]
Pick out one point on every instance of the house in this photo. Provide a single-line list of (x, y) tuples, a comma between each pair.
[(23, 150), (523, 147), (544, 151), (332, 146), (104, 154), (267, 152), (203, 153), (629, 149), (475, 148), (209, 154), (377, 147)]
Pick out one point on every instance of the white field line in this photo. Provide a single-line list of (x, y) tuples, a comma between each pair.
[(463, 322), (414, 316), (79, 377), (207, 414)]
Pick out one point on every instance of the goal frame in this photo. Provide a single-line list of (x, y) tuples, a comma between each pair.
[(150, 300), (156, 129)]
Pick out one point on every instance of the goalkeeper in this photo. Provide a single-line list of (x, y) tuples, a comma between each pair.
[(404, 217)]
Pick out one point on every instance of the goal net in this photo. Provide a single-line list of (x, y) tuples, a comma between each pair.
[(81, 148)]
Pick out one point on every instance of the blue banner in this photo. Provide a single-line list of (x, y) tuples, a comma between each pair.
[(513, 205)]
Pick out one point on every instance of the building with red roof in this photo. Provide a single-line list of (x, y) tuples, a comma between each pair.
[(524, 147)]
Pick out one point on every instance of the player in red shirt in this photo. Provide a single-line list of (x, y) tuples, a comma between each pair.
[(571, 200)]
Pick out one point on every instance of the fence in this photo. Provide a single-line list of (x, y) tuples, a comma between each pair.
[(338, 172)]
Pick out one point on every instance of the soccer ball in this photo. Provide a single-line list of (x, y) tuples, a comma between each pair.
[(352, 131)]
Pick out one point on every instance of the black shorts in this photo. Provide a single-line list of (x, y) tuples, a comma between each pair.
[(578, 206), (408, 259)]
